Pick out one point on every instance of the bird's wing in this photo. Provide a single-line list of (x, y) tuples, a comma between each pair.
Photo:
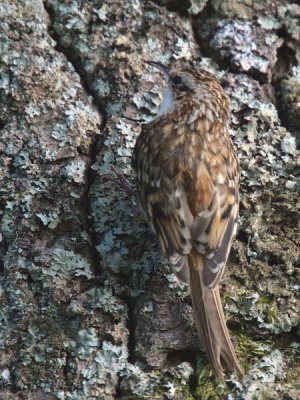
[(214, 228), (161, 194), (188, 207)]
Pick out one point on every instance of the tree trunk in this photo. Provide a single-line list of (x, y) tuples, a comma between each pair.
[(89, 307)]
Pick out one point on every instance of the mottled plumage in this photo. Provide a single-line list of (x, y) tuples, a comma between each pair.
[(187, 177)]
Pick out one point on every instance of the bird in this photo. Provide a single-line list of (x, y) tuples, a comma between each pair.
[(187, 178)]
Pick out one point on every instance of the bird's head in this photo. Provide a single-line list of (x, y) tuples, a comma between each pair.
[(184, 80)]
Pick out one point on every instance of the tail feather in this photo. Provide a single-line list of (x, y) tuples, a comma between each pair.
[(210, 323)]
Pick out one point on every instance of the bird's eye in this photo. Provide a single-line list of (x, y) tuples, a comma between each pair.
[(176, 80)]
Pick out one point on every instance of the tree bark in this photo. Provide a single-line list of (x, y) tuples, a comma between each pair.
[(89, 307)]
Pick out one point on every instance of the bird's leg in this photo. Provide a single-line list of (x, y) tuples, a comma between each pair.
[(123, 183)]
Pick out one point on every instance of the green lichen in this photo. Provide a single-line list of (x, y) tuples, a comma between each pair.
[(87, 343), (269, 22), (180, 288), (196, 6), (76, 171), (289, 16), (49, 219), (67, 262), (104, 299), (248, 350), (169, 384), (262, 309), (207, 388)]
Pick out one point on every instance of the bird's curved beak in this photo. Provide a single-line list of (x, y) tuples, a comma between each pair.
[(159, 66)]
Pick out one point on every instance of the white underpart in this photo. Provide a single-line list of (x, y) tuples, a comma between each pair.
[(167, 101)]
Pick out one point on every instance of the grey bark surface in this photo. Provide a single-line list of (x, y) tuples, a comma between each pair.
[(89, 309)]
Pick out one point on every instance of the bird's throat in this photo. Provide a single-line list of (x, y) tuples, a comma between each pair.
[(167, 101)]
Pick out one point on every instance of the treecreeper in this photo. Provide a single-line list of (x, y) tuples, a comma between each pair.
[(187, 176)]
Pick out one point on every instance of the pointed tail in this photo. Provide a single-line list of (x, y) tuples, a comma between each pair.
[(210, 321)]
